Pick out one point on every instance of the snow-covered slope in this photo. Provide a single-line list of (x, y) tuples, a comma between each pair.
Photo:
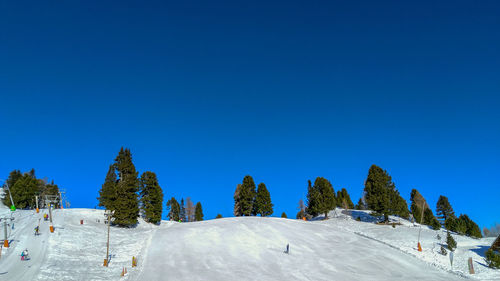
[(252, 249), (247, 248)]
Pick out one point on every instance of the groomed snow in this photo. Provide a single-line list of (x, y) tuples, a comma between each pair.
[(248, 248)]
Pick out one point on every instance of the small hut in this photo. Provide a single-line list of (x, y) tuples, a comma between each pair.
[(496, 244)]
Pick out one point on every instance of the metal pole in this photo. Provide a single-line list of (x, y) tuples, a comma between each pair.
[(10, 194), (108, 213), (107, 247), (5, 228), (421, 218), (50, 212), (36, 197)]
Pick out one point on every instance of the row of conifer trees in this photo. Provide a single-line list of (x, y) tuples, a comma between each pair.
[(127, 194), (184, 212), (24, 187), (382, 197), (131, 196), (252, 201)]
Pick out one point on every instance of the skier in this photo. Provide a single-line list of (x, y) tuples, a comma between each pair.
[(25, 255), (37, 228)]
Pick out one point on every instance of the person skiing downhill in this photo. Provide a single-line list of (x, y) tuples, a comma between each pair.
[(37, 228), (25, 255)]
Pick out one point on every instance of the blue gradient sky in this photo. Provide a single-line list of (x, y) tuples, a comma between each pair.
[(205, 92)]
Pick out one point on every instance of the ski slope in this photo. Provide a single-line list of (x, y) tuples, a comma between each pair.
[(244, 248)]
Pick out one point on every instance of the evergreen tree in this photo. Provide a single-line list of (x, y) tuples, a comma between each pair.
[(107, 194), (460, 226), (451, 223), (430, 219), (151, 197), (219, 216), (247, 195), (198, 212), (127, 205), (182, 214), (321, 197), (444, 209), (237, 207), (450, 242), (312, 200), (493, 259), (382, 195), (262, 204), (378, 188), (24, 187), (344, 200), (471, 228), (283, 215), (14, 176), (173, 209), (398, 205), (23, 192)]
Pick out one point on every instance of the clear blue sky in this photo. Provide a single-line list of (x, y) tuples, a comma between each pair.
[(206, 92)]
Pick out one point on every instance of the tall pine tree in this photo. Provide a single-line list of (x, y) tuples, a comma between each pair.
[(14, 176), (198, 212), (24, 190), (444, 209), (344, 200), (313, 195), (320, 197), (182, 214), (471, 228), (430, 219), (263, 205), (173, 209), (247, 195), (398, 205), (107, 194), (237, 207), (151, 197), (127, 205), (377, 187)]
